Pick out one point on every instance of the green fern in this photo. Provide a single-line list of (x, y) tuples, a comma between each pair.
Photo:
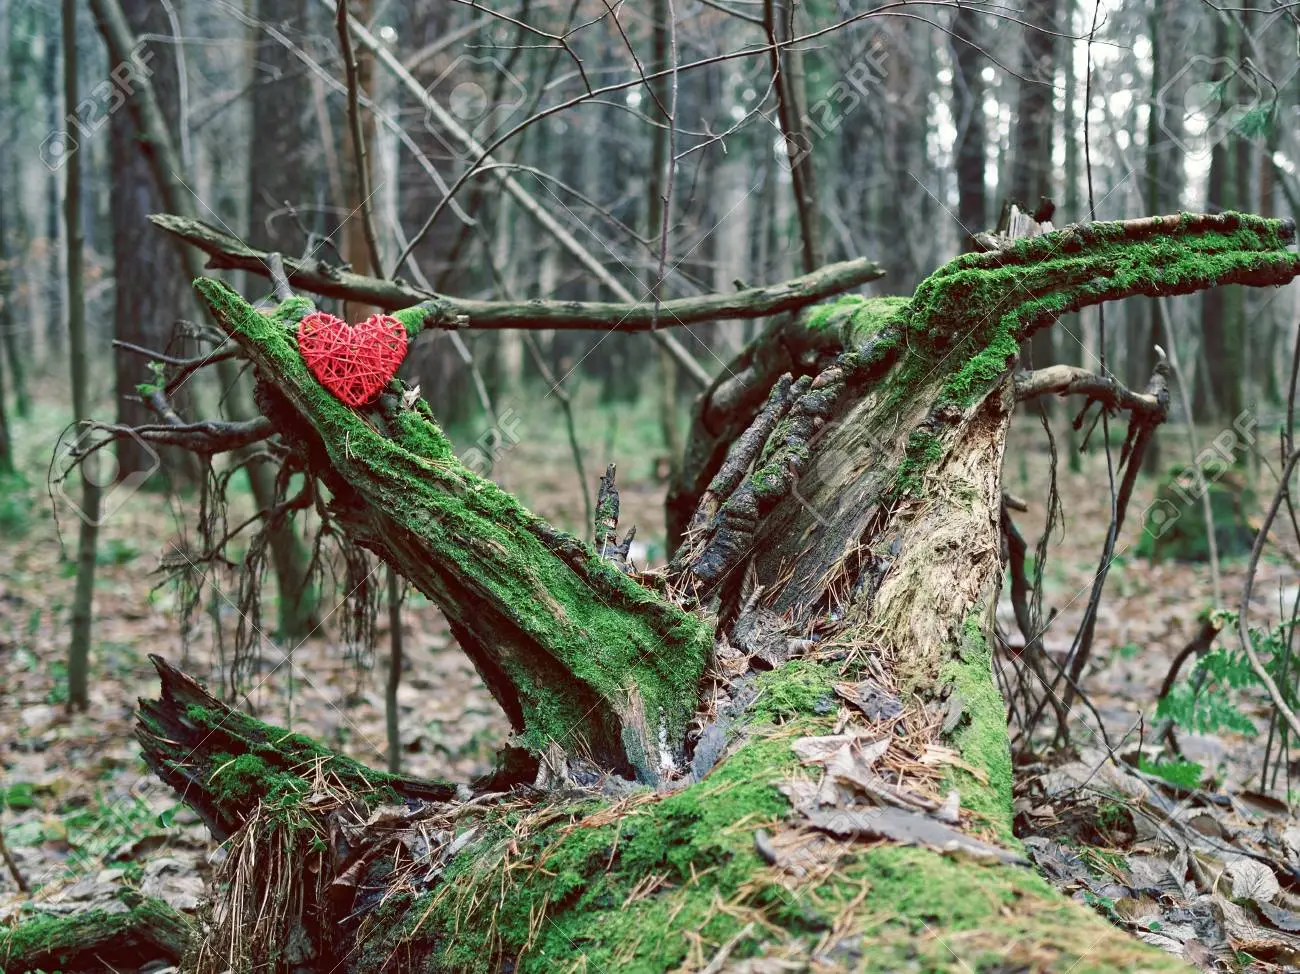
[(1209, 712)]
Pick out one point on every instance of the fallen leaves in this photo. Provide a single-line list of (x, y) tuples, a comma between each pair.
[(1201, 875)]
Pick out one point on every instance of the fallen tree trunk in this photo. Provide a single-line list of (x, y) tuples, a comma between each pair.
[(807, 689)]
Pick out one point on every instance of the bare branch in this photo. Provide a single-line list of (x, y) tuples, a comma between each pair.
[(205, 436), (229, 253), (1068, 380)]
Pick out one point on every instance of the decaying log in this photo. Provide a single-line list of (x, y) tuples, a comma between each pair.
[(572, 649), (954, 343), (861, 510), (117, 936), (222, 762)]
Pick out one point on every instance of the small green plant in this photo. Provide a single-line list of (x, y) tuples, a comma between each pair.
[(1103, 905), (1184, 774), (58, 692), (17, 796), (1111, 815), (1211, 710)]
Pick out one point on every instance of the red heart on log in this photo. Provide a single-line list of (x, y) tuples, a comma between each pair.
[(352, 361)]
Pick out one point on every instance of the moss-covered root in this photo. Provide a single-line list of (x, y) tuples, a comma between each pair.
[(666, 883), (97, 940), (575, 651), (223, 762)]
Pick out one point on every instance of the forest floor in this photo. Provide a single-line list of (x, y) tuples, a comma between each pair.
[(82, 816)]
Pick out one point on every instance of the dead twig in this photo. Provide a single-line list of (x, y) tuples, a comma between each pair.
[(12, 866), (1291, 457)]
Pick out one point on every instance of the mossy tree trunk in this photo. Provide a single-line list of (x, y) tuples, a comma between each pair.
[(850, 467)]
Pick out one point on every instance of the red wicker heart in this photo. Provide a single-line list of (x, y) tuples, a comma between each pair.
[(352, 361)]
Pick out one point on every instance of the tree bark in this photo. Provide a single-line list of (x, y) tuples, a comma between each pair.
[(1218, 393), (79, 374), (968, 113), (861, 497), (149, 279), (282, 172)]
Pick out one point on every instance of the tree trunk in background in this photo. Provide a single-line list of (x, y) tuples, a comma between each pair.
[(1157, 153), (1031, 151), (12, 351), (656, 189), (88, 535), (54, 274), (1240, 306), (6, 347), (16, 353), (444, 381), (1278, 333), (788, 72), (150, 291), (285, 150), (1165, 162), (1218, 393), (1073, 352), (971, 147), (904, 152), (6, 442), (283, 168)]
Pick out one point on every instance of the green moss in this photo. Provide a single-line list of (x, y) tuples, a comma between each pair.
[(924, 450), (235, 780), (583, 881), (413, 318), (967, 320), (96, 939), (593, 891), (246, 760), (798, 687), (853, 319), (981, 737)]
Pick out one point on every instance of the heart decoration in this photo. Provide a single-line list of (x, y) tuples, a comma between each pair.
[(352, 361)]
